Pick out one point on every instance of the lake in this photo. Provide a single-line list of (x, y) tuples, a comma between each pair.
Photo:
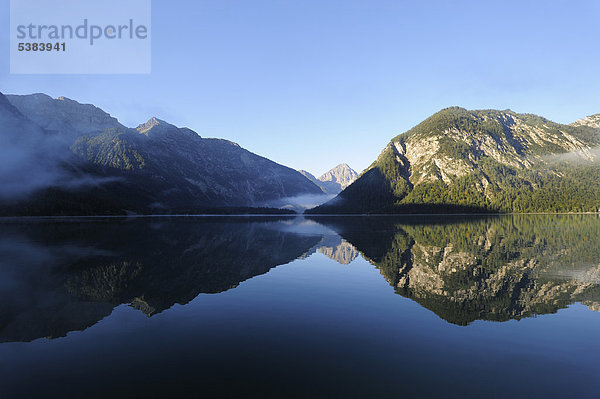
[(406, 306)]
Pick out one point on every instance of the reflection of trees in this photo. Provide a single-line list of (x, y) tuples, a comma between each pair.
[(149, 265), (496, 268), (67, 276)]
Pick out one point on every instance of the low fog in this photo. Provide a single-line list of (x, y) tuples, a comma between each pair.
[(300, 203), (578, 157), (26, 167), (32, 158)]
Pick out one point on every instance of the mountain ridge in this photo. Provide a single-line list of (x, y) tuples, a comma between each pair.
[(484, 160), (156, 166)]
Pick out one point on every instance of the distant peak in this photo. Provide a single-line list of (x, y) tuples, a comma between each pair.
[(342, 174), (152, 124), (342, 166), (67, 100)]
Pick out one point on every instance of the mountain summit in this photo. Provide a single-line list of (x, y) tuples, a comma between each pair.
[(155, 126), (334, 180), (488, 160), (62, 115), (341, 176), (105, 167)]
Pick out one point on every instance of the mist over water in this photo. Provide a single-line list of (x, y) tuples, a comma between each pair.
[(300, 203)]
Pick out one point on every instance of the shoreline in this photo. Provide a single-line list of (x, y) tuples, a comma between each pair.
[(249, 215)]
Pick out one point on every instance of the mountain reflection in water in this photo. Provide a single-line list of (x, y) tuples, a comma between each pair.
[(58, 276)]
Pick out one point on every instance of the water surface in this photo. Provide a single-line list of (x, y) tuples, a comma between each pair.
[(415, 306)]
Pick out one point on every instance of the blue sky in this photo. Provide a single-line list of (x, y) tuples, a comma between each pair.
[(313, 83)]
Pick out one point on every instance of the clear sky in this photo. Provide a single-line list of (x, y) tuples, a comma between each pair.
[(313, 83)]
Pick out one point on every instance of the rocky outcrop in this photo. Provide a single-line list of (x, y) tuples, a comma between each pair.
[(338, 178)]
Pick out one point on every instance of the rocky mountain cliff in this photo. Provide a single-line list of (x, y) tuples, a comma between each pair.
[(156, 167), (460, 160), (334, 180), (26, 148), (338, 178), (62, 115)]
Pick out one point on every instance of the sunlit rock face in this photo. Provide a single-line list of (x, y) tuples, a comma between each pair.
[(334, 180), (462, 160), (338, 178)]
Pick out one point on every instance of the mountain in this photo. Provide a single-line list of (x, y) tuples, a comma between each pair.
[(312, 178), (25, 147), (334, 180), (592, 121), (338, 178), (487, 160), (63, 116), (106, 167), (12, 120)]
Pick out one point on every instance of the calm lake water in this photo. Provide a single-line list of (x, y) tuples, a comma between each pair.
[(414, 306)]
